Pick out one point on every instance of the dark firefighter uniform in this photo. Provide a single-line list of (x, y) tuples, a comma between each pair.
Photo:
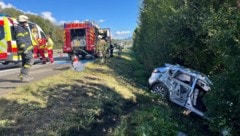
[(25, 47)]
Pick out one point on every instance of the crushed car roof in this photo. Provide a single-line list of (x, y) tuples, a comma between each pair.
[(189, 71)]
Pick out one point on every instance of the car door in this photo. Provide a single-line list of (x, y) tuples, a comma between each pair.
[(3, 42), (180, 87)]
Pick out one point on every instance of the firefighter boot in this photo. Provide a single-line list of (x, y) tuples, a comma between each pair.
[(44, 61), (27, 79), (24, 78)]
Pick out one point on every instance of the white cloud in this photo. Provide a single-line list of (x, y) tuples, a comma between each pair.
[(4, 5), (119, 36), (76, 21), (101, 21), (48, 15), (61, 22), (122, 32), (8, 5), (29, 12)]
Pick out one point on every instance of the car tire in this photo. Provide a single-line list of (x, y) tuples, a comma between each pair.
[(160, 89)]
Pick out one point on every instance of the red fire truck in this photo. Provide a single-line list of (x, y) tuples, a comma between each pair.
[(8, 45), (81, 38)]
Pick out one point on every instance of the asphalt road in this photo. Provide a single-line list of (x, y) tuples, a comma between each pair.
[(9, 74)]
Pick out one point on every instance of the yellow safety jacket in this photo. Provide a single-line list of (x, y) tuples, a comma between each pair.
[(23, 38), (34, 38), (50, 44)]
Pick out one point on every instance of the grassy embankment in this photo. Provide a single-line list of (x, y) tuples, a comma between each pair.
[(101, 100)]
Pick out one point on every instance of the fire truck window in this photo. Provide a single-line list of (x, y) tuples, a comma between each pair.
[(77, 33), (2, 35)]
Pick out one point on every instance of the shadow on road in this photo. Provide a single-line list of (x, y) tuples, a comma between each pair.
[(7, 87), (62, 67), (10, 80)]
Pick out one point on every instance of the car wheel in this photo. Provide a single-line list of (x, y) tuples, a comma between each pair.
[(161, 90)]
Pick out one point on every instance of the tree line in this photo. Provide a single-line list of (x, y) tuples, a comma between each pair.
[(200, 34)]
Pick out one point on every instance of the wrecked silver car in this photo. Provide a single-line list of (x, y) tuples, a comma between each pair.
[(181, 85)]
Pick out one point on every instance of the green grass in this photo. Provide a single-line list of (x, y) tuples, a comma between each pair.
[(104, 99), (70, 103)]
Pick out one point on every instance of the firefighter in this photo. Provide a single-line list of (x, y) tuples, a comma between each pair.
[(111, 48), (119, 47), (35, 38), (38, 42), (102, 47), (50, 44), (25, 47), (34, 35), (41, 50)]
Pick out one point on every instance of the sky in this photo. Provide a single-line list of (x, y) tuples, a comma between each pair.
[(121, 16)]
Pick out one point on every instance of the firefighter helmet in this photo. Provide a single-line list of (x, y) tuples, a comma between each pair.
[(22, 18)]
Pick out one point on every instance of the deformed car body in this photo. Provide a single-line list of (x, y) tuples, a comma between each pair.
[(181, 85)]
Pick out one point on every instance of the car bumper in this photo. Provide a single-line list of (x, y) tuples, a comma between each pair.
[(153, 79)]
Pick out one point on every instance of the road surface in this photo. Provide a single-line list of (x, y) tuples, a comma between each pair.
[(9, 77)]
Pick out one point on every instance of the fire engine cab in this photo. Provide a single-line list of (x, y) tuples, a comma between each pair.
[(8, 45), (81, 38)]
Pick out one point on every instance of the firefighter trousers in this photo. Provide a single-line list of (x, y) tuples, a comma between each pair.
[(42, 54), (27, 62), (50, 55)]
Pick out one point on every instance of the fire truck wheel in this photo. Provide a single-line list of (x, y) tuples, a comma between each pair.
[(92, 57), (83, 56), (96, 55)]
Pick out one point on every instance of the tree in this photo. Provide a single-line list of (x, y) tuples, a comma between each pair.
[(202, 35)]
